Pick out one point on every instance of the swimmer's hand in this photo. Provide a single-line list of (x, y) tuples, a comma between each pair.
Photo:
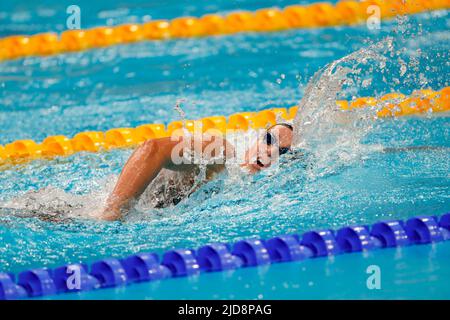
[(111, 214)]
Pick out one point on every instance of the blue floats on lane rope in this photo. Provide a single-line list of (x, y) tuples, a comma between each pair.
[(73, 278), (253, 252), (181, 262), (422, 230), (321, 243), (287, 248), (9, 290), (444, 224), (219, 257), (390, 233), (353, 239), (110, 273), (37, 282), (144, 267)]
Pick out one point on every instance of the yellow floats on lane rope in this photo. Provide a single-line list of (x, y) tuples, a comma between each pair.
[(393, 104), (321, 14)]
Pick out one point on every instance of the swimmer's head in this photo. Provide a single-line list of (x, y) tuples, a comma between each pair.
[(275, 141)]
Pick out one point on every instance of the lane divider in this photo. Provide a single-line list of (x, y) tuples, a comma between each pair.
[(321, 14), (393, 105), (216, 257)]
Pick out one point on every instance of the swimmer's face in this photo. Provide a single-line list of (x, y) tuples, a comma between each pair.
[(266, 151)]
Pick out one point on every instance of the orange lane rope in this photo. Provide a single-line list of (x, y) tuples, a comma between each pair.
[(393, 104), (321, 14)]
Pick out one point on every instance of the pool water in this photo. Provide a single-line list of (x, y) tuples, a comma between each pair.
[(129, 85)]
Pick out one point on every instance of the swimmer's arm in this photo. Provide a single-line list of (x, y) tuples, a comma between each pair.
[(145, 164), (141, 168)]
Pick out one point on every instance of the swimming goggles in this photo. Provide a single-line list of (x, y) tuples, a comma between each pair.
[(270, 140)]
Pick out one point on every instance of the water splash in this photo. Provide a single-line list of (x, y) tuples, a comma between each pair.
[(321, 127), (54, 204)]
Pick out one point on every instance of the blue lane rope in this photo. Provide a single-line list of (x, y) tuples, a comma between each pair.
[(215, 257)]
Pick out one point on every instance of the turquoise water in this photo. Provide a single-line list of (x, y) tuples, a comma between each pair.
[(140, 83)]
